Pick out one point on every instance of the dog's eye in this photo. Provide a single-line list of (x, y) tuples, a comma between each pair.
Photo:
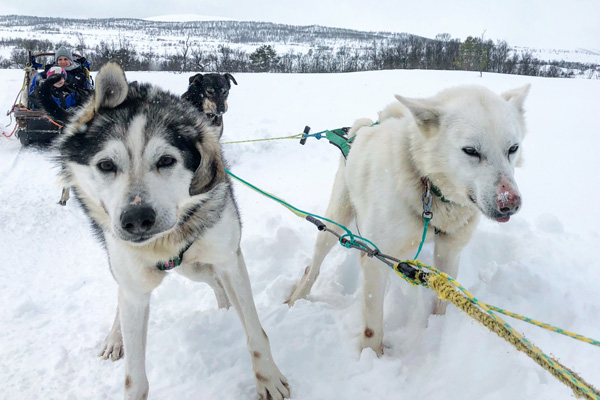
[(470, 151), (165, 161), (210, 91), (107, 166), (513, 149)]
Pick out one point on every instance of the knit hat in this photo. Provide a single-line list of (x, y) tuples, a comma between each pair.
[(63, 52), (56, 70)]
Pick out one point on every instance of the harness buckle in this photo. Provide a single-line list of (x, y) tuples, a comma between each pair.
[(427, 201)]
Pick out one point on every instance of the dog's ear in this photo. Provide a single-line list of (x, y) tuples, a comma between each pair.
[(111, 86), (517, 96), (230, 78), (211, 170), (193, 78), (426, 113)]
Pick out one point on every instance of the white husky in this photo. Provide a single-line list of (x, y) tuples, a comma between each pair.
[(463, 144)]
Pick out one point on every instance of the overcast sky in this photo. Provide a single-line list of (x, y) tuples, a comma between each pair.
[(558, 24)]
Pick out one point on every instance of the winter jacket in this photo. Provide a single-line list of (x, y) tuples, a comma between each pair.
[(76, 76), (59, 102)]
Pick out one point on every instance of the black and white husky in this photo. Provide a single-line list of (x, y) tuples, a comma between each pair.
[(149, 173)]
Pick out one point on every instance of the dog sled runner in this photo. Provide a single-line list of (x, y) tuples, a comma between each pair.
[(34, 127)]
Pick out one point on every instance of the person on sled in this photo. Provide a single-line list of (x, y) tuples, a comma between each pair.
[(76, 75), (57, 97)]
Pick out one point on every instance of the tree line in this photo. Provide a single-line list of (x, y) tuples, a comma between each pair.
[(402, 52)]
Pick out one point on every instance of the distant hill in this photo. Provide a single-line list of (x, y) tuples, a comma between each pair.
[(166, 34)]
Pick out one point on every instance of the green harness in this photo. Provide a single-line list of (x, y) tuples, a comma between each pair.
[(339, 138)]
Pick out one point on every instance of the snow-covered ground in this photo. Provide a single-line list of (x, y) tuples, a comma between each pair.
[(57, 295)]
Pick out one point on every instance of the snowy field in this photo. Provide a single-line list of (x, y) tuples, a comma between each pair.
[(165, 43), (58, 298)]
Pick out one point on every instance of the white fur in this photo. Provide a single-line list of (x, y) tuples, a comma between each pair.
[(380, 183)]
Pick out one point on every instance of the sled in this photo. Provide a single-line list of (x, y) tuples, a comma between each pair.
[(34, 127)]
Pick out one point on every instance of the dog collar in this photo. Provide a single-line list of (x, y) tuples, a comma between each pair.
[(434, 189), (427, 214), (169, 265), (173, 262)]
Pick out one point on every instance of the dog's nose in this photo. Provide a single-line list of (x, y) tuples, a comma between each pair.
[(508, 203), (508, 199), (138, 219)]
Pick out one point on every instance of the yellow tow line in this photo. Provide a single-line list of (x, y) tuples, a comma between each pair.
[(449, 289)]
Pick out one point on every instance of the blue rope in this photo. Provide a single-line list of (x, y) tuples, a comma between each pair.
[(318, 135)]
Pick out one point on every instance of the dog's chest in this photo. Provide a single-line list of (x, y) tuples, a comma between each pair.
[(449, 218)]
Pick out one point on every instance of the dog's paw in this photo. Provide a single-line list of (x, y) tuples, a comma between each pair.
[(113, 347), (301, 290), (62, 202), (295, 296), (372, 340), (291, 300), (273, 386)]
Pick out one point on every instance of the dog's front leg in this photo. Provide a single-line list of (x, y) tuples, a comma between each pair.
[(447, 259), (270, 382), (134, 310), (375, 278)]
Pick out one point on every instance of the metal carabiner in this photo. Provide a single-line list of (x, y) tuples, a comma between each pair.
[(427, 201)]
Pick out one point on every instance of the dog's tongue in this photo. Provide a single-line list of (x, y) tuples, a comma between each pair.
[(503, 219)]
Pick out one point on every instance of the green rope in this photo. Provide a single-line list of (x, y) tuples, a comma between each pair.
[(361, 238), (303, 214), (426, 220)]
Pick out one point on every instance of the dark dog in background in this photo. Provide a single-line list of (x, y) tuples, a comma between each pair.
[(209, 93)]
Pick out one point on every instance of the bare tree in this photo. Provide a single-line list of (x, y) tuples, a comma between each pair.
[(80, 47), (185, 50)]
